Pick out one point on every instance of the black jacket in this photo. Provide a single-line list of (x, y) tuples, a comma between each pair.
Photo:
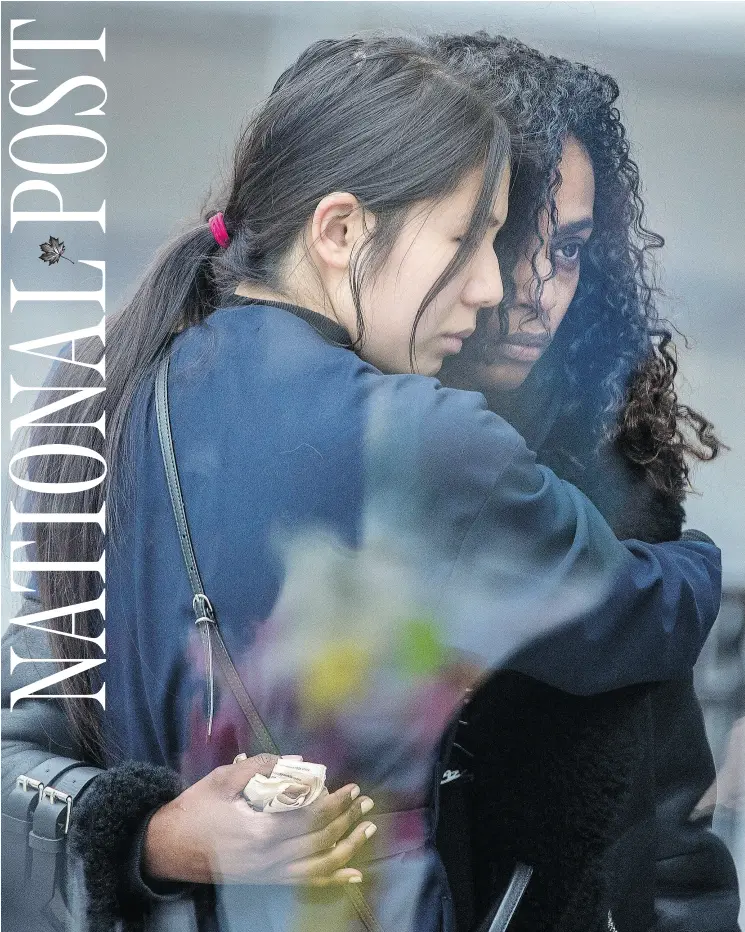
[(594, 793)]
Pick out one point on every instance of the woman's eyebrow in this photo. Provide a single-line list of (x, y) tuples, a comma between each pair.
[(576, 226)]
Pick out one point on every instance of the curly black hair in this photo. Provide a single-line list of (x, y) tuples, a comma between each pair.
[(617, 354)]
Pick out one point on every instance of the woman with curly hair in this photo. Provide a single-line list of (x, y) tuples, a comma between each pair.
[(595, 794)]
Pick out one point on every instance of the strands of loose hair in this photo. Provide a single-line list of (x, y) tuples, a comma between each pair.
[(617, 356)]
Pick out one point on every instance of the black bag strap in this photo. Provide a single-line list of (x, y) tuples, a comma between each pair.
[(206, 618), (174, 486), (214, 646), (510, 901)]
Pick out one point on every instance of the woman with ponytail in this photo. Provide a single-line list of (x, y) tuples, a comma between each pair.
[(371, 543)]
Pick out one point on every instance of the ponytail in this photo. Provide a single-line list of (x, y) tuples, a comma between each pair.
[(176, 292)]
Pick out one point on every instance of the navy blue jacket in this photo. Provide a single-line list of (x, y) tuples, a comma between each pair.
[(301, 466)]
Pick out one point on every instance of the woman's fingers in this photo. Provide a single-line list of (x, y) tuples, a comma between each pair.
[(312, 843), (323, 865), (230, 779), (339, 878), (319, 814), (328, 808)]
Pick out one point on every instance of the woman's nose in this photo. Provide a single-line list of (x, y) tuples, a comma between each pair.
[(485, 288), (537, 287), (548, 297)]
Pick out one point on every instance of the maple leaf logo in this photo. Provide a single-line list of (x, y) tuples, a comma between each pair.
[(52, 251)]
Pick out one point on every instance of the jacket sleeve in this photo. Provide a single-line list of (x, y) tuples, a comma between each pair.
[(695, 876), (520, 552), (627, 612), (125, 796)]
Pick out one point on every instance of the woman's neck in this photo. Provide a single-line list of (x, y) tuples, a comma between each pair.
[(263, 293)]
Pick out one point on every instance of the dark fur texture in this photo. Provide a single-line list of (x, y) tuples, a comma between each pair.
[(552, 777), (558, 778), (107, 819)]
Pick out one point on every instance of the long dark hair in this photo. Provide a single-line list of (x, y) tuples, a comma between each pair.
[(616, 352), (383, 118)]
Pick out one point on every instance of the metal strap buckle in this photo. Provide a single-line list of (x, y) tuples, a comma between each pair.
[(203, 608), (27, 783), (60, 797)]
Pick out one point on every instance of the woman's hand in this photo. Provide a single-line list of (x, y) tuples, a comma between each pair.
[(209, 834)]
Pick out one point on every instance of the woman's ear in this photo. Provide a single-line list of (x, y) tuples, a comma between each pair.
[(338, 227)]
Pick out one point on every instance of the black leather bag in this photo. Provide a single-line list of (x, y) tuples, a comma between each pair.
[(35, 821)]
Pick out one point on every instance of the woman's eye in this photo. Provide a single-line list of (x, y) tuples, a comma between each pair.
[(569, 254)]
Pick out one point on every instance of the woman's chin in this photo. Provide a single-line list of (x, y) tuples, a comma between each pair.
[(502, 375)]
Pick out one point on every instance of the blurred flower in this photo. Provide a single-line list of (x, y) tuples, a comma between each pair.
[(420, 649), (728, 790), (334, 677)]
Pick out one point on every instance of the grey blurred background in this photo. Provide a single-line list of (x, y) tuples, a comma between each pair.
[(181, 78)]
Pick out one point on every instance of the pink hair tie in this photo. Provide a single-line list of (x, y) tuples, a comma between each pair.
[(217, 225)]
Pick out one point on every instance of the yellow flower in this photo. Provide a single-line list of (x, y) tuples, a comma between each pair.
[(334, 677)]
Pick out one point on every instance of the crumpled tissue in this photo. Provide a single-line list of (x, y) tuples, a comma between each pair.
[(292, 784)]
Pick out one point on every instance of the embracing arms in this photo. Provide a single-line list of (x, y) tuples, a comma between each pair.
[(526, 572)]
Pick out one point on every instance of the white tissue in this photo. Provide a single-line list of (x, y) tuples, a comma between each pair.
[(293, 784)]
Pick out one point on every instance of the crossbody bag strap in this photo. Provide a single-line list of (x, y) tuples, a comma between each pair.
[(511, 899), (214, 646)]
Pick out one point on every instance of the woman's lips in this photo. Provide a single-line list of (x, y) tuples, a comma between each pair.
[(452, 344), (520, 346), (520, 352)]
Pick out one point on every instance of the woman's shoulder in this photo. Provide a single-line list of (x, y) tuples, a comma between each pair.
[(242, 354), (257, 350), (445, 433)]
